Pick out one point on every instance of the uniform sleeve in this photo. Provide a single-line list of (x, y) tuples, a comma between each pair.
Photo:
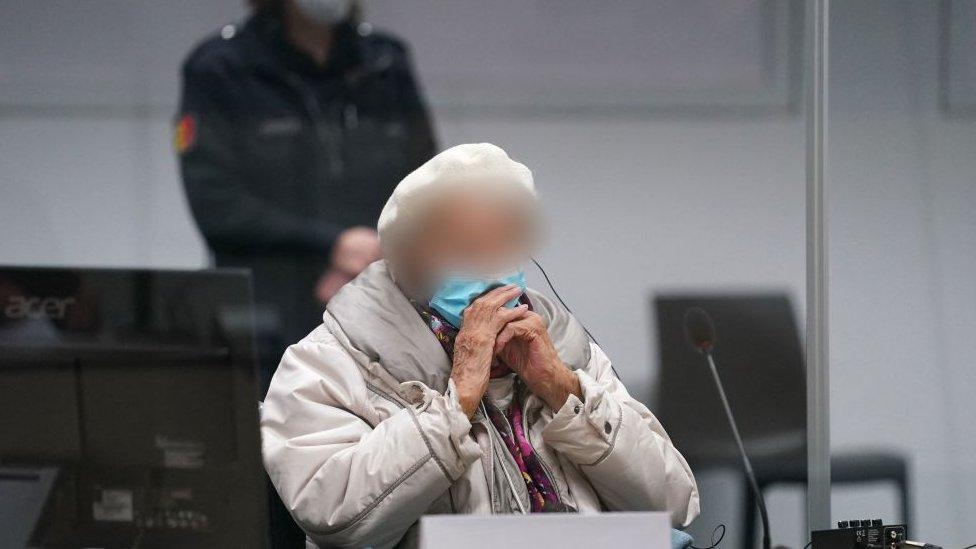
[(226, 210), (622, 448), (346, 483)]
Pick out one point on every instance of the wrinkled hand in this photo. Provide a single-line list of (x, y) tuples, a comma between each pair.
[(475, 343), (524, 346)]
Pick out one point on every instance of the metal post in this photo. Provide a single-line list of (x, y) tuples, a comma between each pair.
[(817, 355)]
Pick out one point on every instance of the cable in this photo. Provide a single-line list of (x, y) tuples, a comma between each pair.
[(563, 303), (715, 542), (568, 310), (970, 546)]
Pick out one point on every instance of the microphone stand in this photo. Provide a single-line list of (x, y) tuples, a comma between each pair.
[(742, 452)]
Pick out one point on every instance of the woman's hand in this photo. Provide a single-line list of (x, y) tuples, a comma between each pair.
[(475, 343), (524, 346)]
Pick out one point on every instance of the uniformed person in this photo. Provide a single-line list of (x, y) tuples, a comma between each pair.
[(293, 130)]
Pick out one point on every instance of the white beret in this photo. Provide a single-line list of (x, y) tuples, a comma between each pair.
[(477, 165)]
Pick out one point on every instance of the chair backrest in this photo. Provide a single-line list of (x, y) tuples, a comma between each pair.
[(760, 361)]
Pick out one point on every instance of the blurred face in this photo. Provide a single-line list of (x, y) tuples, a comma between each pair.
[(462, 233)]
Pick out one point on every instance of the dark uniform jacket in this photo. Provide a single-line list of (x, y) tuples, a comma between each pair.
[(279, 155)]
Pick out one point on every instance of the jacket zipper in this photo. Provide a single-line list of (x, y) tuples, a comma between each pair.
[(538, 454), (330, 141), (508, 478)]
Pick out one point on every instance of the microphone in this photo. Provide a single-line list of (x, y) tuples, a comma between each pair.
[(699, 330), (701, 334)]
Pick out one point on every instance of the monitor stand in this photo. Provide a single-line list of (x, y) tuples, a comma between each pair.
[(23, 493)]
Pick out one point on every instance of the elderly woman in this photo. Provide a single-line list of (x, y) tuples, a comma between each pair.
[(437, 383)]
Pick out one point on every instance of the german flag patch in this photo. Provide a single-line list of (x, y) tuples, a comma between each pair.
[(185, 133)]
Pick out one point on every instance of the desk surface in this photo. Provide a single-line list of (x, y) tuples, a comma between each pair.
[(650, 530)]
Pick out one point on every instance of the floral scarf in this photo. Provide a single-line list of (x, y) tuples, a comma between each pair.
[(542, 495)]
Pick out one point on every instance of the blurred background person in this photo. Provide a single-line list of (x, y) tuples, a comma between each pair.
[(292, 130)]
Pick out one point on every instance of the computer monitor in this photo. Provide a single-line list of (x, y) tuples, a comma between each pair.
[(138, 389)]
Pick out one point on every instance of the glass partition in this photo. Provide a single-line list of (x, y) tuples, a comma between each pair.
[(667, 140), (902, 194)]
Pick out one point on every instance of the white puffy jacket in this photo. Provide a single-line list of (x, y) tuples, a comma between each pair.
[(362, 433)]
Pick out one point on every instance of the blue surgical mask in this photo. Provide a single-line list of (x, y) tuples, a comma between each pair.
[(456, 292)]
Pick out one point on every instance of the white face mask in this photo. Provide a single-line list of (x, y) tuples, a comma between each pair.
[(326, 12)]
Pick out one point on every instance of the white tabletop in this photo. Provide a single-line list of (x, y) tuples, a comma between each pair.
[(566, 531)]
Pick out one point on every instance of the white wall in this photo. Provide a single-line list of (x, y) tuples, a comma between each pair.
[(87, 91), (636, 204)]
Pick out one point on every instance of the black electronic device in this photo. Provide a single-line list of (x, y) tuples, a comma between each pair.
[(137, 390), (861, 534)]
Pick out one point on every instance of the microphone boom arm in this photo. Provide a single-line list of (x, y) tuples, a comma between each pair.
[(742, 452)]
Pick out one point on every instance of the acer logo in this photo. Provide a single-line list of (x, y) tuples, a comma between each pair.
[(35, 307)]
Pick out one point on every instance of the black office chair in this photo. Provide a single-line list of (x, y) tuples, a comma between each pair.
[(760, 359)]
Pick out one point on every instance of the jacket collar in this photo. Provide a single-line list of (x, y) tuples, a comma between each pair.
[(351, 57), (382, 323)]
